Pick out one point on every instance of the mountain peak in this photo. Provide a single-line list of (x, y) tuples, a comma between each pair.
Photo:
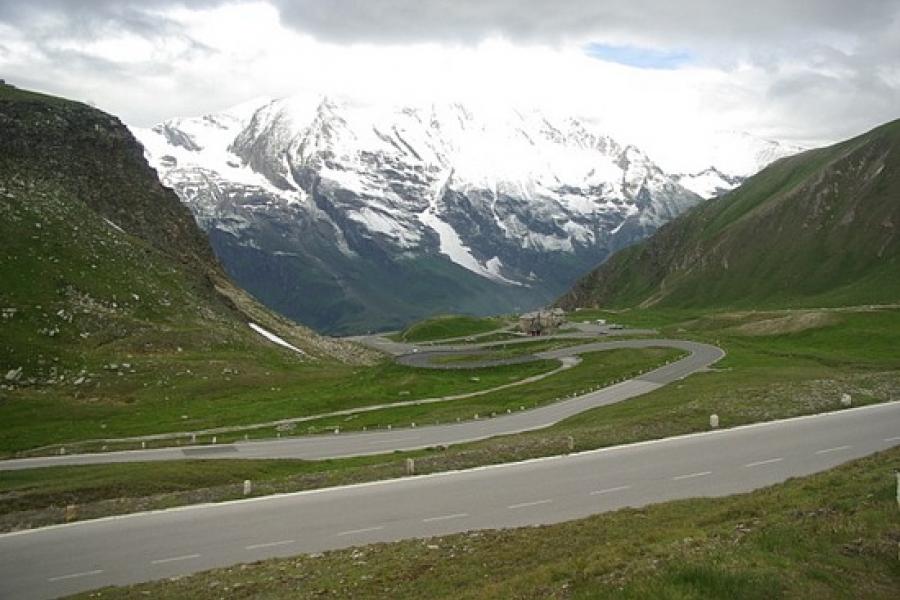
[(508, 204)]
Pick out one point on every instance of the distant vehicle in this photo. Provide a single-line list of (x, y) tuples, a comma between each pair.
[(616, 326), (601, 321)]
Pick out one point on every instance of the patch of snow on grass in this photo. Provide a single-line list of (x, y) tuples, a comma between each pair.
[(274, 338)]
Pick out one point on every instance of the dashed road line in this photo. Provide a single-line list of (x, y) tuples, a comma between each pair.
[(162, 561), (394, 440), (365, 530), (760, 463), (610, 490), (691, 475), (445, 517), (527, 504), (74, 575), (269, 544), (835, 449)]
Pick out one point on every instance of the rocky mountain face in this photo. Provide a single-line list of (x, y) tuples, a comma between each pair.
[(102, 264), (816, 229), (352, 217)]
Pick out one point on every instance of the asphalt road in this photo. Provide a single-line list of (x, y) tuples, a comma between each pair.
[(359, 444), (64, 559)]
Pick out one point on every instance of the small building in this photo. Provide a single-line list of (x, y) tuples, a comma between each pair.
[(542, 322)]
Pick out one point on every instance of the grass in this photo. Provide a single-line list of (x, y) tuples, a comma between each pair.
[(597, 369), (448, 326), (830, 535), (213, 389)]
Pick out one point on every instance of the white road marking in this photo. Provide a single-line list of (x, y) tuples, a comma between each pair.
[(892, 439), (74, 575), (527, 504), (610, 490), (393, 440), (269, 544), (835, 449), (367, 529), (445, 517), (691, 475), (760, 463), (161, 561)]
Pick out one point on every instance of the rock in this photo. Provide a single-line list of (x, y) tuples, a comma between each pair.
[(14, 374)]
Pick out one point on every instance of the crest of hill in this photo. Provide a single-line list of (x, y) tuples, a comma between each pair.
[(98, 255), (815, 229)]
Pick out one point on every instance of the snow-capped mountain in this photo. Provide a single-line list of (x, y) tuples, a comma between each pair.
[(709, 182), (732, 156), (741, 154), (350, 216)]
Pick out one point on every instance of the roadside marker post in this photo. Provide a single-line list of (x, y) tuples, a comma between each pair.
[(71, 512), (846, 400), (897, 474), (714, 421), (248, 487)]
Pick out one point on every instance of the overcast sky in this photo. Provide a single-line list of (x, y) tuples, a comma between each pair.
[(803, 71)]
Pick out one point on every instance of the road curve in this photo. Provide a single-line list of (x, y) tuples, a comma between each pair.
[(314, 447), (54, 561)]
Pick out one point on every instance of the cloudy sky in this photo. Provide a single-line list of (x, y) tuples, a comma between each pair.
[(802, 71)]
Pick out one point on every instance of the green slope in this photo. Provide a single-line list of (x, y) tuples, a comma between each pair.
[(816, 229), (100, 262)]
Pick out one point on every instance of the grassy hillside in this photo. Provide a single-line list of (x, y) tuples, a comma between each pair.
[(448, 326), (98, 256), (111, 297), (816, 229)]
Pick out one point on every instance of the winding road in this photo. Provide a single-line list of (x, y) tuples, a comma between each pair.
[(312, 447), (58, 560)]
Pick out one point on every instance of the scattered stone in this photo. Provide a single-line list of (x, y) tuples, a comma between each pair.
[(14, 374)]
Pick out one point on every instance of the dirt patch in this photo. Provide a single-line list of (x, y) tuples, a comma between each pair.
[(791, 323)]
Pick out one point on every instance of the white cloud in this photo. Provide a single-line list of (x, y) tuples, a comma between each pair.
[(795, 76)]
